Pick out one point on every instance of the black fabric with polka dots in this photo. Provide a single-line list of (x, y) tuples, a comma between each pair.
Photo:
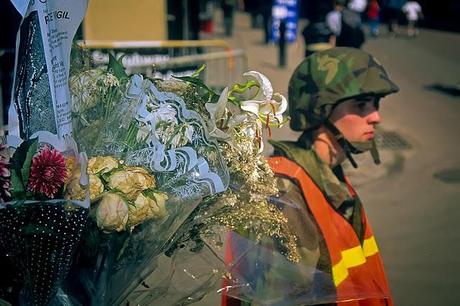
[(41, 238)]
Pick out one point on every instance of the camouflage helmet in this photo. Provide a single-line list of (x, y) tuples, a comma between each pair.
[(329, 77)]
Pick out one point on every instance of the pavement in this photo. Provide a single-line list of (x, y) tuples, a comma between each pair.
[(412, 199)]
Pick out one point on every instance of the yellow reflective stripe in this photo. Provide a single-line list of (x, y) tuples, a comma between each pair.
[(339, 272), (353, 257), (370, 247)]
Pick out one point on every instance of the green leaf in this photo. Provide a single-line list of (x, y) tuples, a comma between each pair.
[(195, 81), (25, 169), (150, 193), (126, 240), (198, 83), (214, 98), (241, 88), (20, 167), (131, 135), (17, 186), (115, 66), (20, 155), (106, 176), (198, 71)]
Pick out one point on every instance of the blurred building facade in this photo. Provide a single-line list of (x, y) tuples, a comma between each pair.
[(143, 19)]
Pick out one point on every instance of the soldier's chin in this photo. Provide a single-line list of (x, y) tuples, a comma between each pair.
[(362, 146)]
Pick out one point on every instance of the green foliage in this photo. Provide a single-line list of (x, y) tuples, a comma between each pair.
[(242, 88), (19, 157), (131, 135), (239, 89), (20, 167), (115, 66), (25, 170), (198, 71), (18, 190), (196, 81)]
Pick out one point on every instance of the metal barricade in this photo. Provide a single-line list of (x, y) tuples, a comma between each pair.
[(162, 59)]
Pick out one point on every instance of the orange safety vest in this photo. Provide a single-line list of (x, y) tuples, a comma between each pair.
[(357, 269)]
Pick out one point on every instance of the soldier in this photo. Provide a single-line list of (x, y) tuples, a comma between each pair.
[(334, 99)]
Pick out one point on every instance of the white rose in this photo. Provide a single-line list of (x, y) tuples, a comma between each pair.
[(112, 213)]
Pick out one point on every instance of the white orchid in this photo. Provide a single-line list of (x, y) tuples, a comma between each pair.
[(249, 116), (218, 112), (266, 105), (246, 126)]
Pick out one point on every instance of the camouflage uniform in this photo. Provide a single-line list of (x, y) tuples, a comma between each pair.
[(319, 83)]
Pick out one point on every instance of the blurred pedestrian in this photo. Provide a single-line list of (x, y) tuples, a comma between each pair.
[(373, 17), (393, 12), (346, 26), (413, 12), (253, 8), (266, 11), (317, 37), (228, 9), (206, 8), (359, 6)]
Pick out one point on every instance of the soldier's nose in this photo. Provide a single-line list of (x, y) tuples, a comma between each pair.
[(374, 117)]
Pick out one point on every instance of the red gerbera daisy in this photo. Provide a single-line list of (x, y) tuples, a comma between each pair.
[(48, 172)]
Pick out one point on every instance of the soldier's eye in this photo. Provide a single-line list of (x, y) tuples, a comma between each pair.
[(367, 105), (361, 105)]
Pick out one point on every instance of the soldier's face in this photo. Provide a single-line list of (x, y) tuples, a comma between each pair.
[(357, 118)]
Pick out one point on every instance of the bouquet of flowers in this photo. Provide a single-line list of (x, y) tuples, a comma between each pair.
[(236, 120), (170, 162), (40, 222), (172, 165)]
